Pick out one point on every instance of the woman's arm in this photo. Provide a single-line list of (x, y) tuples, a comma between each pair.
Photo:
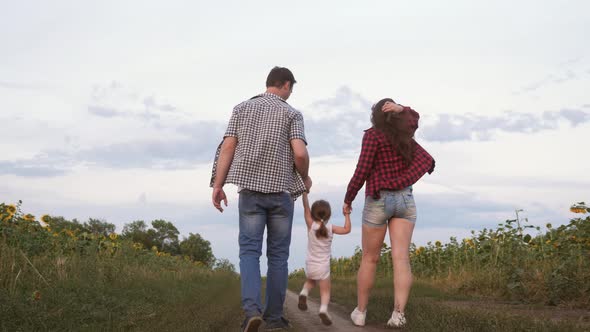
[(307, 211), (343, 230), (363, 167)]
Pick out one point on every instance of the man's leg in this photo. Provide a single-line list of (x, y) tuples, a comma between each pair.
[(252, 223), (280, 221)]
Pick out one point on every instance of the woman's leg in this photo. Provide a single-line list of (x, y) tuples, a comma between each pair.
[(372, 239), (400, 234)]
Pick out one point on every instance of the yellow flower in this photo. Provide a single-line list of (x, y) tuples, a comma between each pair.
[(437, 243), (113, 236), (11, 209), (548, 241), (45, 218), (29, 217)]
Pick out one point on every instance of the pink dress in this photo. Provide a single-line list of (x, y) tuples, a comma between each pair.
[(319, 252)]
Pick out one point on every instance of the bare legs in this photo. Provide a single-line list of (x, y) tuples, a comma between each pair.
[(400, 234), (372, 241)]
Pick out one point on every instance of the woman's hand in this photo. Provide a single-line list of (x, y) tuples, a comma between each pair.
[(391, 107), (346, 209)]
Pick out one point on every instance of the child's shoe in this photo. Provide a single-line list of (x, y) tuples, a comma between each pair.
[(358, 317), (325, 317), (397, 320), (302, 302)]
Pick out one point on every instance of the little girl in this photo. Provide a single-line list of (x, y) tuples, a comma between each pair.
[(319, 252)]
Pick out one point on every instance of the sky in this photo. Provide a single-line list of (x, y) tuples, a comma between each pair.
[(113, 110)]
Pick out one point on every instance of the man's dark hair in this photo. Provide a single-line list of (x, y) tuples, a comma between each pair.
[(278, 76)]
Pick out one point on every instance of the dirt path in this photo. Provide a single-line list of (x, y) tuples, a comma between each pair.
[(309, 320)]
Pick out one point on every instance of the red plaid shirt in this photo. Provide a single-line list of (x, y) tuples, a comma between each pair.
[(383, 168)]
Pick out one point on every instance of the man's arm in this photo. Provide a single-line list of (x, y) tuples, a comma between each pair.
[(301, 159), (226, 156)]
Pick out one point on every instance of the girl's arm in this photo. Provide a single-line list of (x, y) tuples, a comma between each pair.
[(342, 230), (307, 211)]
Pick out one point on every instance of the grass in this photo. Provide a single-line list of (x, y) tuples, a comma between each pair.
[(125, 292), (429, 309)]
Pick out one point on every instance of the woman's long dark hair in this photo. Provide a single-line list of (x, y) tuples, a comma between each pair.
[(395, 127), (321, 211)]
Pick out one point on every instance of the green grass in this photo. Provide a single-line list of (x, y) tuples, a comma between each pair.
[(129, 291), (427, 310)]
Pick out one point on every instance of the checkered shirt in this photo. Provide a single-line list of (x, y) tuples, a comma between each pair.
[(383, 168), (263, 160)]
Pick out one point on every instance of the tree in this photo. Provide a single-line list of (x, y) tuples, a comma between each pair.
[(137, 231), (224, 264), (165, 236), (99, 227), (198, 249)]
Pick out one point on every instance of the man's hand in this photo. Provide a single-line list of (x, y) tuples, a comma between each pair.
[(346, 209), (217, 197), (392, 107), (307, 182)]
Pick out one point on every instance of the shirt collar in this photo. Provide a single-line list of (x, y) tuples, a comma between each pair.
[(272, 95)]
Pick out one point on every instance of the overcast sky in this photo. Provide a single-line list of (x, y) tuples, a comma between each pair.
[(113, 109)]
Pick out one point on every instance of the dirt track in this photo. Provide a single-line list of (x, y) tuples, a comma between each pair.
[(310, 321)]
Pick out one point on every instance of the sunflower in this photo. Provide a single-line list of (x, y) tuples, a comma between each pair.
[(113, 236), (11, 209), (29, 217), (45, 218)]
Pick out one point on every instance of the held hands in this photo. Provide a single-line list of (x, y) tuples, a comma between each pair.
[(308, 183), (217, 197), (392, 107), (346, 209)]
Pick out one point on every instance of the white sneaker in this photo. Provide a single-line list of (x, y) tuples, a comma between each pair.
[(358, 317), (326, 318), (398, 319)]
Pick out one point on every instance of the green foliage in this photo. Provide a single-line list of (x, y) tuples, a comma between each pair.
[(62, 275), (514, 261), (198, 249)]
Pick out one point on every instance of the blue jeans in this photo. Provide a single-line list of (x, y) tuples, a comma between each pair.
[(274, 211)]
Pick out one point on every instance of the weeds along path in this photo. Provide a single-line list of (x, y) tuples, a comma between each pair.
[(310, 321)]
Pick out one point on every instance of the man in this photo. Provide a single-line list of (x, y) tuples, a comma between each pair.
[(264, 153)]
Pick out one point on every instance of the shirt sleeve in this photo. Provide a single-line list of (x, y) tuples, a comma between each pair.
[(297, 130), (232, 127), (363, 167)]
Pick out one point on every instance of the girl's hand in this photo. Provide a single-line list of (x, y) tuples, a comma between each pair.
[(391, 107), (346, 209)]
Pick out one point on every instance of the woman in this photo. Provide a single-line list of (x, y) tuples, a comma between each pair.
[(390, 162)]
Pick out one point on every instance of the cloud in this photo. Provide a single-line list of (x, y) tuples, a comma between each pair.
[(334, 126), (29, 169), (471, 127), (116, 100), (552, 79), (17, 86)]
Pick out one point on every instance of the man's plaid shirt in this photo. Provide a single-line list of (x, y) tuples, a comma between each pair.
[(383, 168), (263, 160)]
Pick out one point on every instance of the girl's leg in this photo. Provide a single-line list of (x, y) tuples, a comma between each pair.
[(307, 286), (372, 240), (325, 286), (400, 234)]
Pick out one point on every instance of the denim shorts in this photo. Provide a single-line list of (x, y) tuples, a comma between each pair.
[(391, 204)]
